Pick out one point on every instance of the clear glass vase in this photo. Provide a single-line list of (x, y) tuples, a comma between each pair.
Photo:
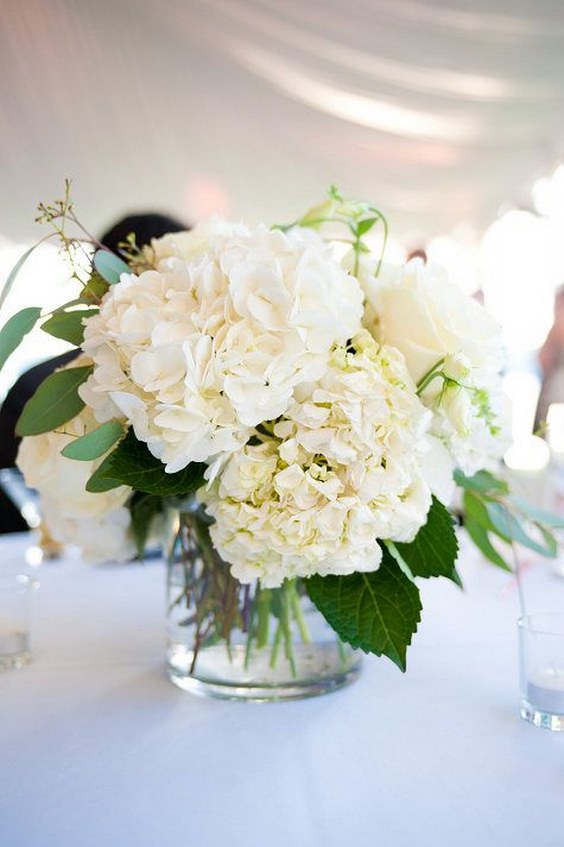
[(243, 642)]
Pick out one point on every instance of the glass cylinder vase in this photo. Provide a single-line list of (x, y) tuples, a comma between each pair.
[(243, 642)]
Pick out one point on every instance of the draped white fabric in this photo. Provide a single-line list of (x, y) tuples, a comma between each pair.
[(437, 111)]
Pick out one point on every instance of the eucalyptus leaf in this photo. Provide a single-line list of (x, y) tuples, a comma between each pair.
[(15, 271), (55, 402), (68, 325), (482, 482), (109, 266), (132, 464), (377, 612), (481, 539), (98, 484), (511, 530), (14, 331), (539, 516), (94, 444)]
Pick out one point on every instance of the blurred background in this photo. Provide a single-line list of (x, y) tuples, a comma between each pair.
[(447, 114)]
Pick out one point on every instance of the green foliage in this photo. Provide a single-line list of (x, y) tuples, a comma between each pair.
[(68, 325), (14, 331), (144, 509), (94, 444), (109, 266), (132, 464), (15, 271), (434, 550), (377, 612), (99, 482), (55, 402), (490, 510)]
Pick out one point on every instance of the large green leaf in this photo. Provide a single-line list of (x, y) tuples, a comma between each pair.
[(132, 464), (94, 444), (109, 266), (15, 329), (377, 612), (55, 402), (68, 325), (434, 550), (478, 525)]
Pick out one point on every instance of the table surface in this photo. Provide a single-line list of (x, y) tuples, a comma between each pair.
[(99, 749)]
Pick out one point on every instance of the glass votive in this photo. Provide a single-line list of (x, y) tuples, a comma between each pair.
[(541, 654), (16, 593)]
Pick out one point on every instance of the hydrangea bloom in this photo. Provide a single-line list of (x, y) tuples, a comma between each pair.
[(338, 471), (436, 326), (215, 339)]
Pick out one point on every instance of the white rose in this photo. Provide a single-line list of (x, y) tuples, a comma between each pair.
[(453, 352), (97, 523)]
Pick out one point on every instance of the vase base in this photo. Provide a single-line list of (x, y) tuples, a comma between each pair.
[(318, 672), (261, 693)]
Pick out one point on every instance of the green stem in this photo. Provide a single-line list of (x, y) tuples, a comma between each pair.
[(262, 599), (250, 633), (431, 374), (276, 645), (298, 613), (286, 625), (342, 653)]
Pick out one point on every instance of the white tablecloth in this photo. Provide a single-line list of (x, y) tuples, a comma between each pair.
[(99, 749)]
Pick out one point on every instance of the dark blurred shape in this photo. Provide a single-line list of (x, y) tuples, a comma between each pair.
[(418, 253), (145, 226)]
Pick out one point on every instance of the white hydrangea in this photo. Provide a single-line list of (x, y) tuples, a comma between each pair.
[(435, 325), (214, 340), (340, 470), (97, 523)]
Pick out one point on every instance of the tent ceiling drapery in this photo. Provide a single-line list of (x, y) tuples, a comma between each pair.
[(437, 111)]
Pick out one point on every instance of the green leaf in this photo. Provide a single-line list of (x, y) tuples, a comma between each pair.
[(481, 539), (434, 549), (539, 516), (377, 612), (132, 464), (510, 529), (482, 482), (55, 402), (365, 226), (94, 444), (99, 482), (144, 508), (15, 271), (109, 266), (68, 325), (14, 331)]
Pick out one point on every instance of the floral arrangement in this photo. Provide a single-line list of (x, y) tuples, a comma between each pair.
[(321, 405)]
